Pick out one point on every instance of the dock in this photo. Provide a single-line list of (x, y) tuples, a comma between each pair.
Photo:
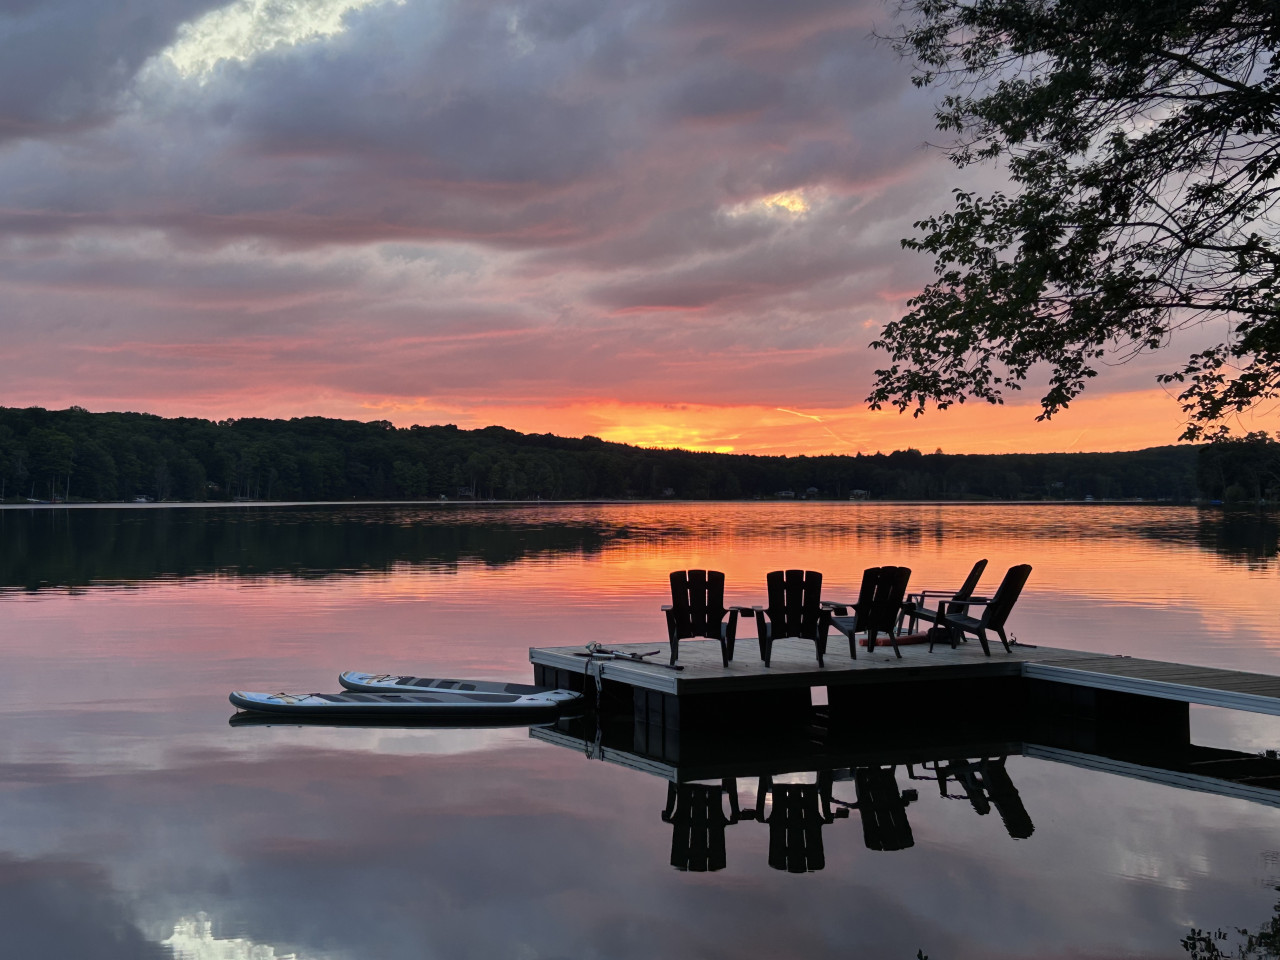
[(878, 679)]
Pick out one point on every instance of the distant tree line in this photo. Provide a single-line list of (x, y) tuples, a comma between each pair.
[(56, 454)]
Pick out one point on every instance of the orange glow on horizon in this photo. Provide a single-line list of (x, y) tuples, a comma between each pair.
[(1096, 424)]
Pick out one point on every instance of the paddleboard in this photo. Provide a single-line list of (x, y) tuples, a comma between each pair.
[(389, 683), (453, 704)]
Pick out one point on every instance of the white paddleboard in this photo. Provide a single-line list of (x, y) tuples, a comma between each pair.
[(400, 683), (437, 704)]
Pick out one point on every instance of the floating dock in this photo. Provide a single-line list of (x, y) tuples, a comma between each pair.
[(880, 680)]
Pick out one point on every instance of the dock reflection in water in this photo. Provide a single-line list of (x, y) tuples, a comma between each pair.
[(809, 781)]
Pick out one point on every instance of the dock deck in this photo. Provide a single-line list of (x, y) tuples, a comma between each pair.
[(795, 667)]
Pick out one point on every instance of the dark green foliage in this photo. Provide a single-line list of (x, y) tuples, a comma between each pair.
[(1143, 145), (1240, 469), (122, 456)]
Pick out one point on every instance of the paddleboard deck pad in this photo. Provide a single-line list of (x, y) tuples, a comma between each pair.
[(399, 683), (440, 704)]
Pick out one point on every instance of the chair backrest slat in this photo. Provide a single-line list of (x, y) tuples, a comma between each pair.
[(1005, 597), (697, 602), (795, 598), (880, 598), (971, 582)]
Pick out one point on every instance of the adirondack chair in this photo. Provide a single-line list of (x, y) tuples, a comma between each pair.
[(795, 611), (697, 610), (953, 602), (879, 608), (696, 814), (994, 614)]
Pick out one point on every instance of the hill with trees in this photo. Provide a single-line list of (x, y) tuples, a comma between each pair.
[(50, 454)]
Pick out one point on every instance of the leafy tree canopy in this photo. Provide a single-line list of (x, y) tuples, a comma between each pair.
[(1142, 145)]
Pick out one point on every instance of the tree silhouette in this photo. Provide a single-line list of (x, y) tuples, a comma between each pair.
[(1142, 142)]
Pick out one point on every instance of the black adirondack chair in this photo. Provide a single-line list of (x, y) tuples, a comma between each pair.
[(697, 610), (795, 611), (948, 600), (879, 608), (696, 814), (994, 614)]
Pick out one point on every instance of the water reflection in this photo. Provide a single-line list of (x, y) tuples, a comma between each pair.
[(129, 809), (802, 777), (82, 547)]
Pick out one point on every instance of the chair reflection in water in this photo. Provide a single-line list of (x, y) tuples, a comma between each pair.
[(986, 784), (800, 811), (796, 818), (696, 814), (796, 812)]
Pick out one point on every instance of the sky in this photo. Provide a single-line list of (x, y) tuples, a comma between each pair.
[(662, 222)]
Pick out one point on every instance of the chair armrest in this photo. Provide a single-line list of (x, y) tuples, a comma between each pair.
[(743, 608), (666, 607), (933, 593), (832, 604)]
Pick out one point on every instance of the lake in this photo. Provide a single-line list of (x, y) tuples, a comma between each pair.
[(135, 822)]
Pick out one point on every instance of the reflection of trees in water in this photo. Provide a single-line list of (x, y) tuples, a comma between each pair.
[(1249, 536), (1238, 944), (48, 548), (1245, 536)]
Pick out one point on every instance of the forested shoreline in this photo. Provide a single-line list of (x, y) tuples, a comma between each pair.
[(81, 456)]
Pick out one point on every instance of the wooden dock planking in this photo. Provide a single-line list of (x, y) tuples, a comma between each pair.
[(1210, 686), (795, 666)]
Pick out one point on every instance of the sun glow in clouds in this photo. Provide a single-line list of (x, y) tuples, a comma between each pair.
[(788, 203), (247, 28)]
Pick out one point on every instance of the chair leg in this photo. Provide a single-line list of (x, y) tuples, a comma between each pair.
[(871, 641), (893, 638), (1003, 639), (821, 644), (766, 640), (982, 639), (673, 637)]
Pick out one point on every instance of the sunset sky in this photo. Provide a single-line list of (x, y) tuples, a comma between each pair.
[(664, 222)]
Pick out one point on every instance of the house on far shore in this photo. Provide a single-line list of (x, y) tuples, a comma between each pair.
[(786, 494), (859, 494)]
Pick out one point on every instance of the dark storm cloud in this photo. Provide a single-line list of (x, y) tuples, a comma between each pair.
[(478, 123), (64, 63), (579, 193)]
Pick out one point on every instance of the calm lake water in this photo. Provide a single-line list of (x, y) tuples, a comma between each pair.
[(135, 822)]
